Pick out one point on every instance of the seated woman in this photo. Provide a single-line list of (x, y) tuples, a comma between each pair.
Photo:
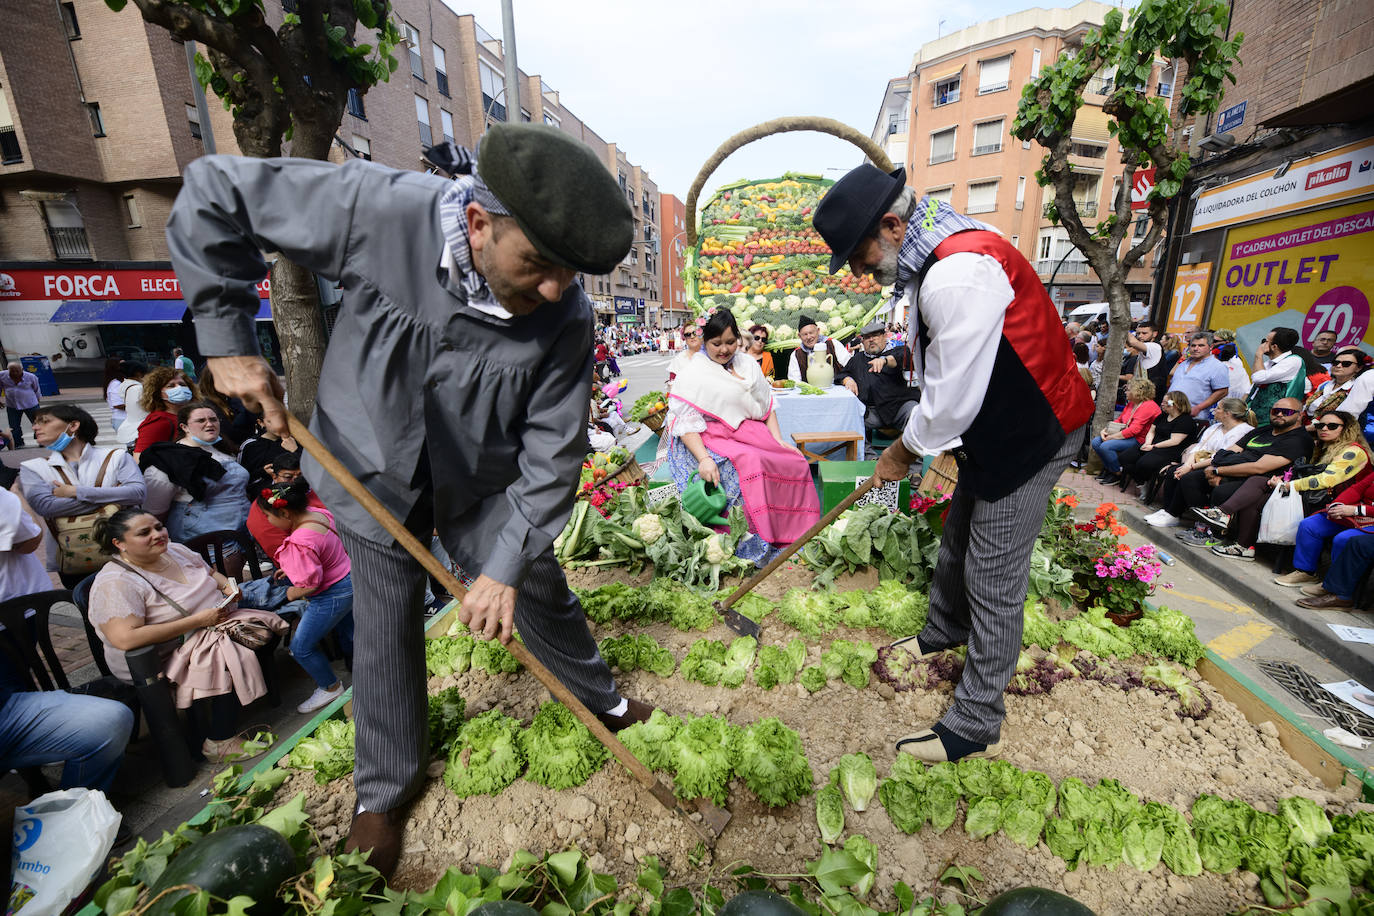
[(1140, 411), (1338, 393), (156, 593), (1349, 515), (1233, 420), (1341, 453), (312, 557), (76, 478), (164, 391), (723, 428), (1164, 442), (757, 344)]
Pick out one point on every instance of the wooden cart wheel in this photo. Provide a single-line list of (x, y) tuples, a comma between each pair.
[(767, 129)]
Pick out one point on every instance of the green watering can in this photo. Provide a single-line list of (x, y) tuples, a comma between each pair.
[(705, 502)]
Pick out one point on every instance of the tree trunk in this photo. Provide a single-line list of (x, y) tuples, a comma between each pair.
[(1119, 309)]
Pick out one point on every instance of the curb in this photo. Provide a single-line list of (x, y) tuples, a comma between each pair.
[(1309, 630)]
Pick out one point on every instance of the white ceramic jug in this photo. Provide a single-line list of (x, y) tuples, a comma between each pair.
[(819, 372)]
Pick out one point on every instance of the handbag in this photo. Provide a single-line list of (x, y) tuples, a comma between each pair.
[(1312, 500), (78, 552), (248, 633)]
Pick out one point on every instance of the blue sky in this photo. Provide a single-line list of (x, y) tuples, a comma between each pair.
[(670, 82)]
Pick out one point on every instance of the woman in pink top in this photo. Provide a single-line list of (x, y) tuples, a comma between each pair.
[(312, 557)]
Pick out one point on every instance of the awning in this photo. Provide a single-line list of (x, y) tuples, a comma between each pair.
[(947, 75), (1344, 105), (132, 311), (1091, 124)]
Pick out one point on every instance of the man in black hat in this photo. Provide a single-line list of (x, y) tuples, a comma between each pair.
[(999, 388), (455, 388), (810, 335), (877, 375)]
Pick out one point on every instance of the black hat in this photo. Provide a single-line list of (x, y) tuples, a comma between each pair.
[(563, 198), (804, 320), (850, 210)]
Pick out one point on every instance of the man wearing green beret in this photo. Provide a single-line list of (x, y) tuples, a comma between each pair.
[(455, 388)]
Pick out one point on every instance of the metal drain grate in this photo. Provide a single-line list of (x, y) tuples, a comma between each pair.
[(1316, 698)]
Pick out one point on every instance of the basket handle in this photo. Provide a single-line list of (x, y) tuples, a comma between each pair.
[(768, 128)]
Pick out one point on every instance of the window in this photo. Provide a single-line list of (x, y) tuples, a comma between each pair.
[(446, 124), (422, 115), (1021, 192), (1101, 84), (440, 70), (493, 84), (1087, 188), (1025, 144), (362, 146), (943, 195), (947, 91), (355, 104), (994, 75), (131, 208), (69, 21), (942, 145), (193, 119), (97, 122), (9, 146), (982, 196), (987, 137), (1088, 149), (1116, 191), (1035, 62), (417, 63), (66, 230), (551, 120)]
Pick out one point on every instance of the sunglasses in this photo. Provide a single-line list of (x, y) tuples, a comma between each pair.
[(1282, 411), (1328, 425), (1344, 362)]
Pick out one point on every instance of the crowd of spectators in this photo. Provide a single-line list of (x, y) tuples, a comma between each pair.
[(1210, 444)]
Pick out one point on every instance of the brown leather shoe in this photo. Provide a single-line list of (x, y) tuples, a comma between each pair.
[(635, 712), (1328, 602), (379, 831)]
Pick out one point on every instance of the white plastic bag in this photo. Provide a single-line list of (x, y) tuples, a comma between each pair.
[(60, 841), (1281, 517)]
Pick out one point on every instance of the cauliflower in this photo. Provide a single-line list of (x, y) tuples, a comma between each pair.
[(760, 300), (792, 302), (648, 528), (716, 553), (708, 303), (786, 332), (774, 305), (810, 303), (828, 304), (740, 304)]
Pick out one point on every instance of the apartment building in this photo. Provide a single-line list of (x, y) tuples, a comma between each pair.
[(949, 121), (99, 116), (673, 219), (1274, 222)]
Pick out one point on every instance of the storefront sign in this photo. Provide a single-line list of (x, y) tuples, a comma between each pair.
[(1324, 178), (1190, 292), (64, 283), (1141, 186), (1310, 272), (624, 305)]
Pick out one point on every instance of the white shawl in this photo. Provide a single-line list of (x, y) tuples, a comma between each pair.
[(716, 392)]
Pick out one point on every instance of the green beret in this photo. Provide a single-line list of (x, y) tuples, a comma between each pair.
[(563, 198)]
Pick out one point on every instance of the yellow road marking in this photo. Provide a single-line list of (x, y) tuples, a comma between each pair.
[(1163, 596), (1241, 639)]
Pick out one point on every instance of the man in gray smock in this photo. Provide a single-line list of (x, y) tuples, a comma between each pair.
[(455, 387)]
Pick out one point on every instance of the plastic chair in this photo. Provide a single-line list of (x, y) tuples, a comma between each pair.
[(81, 597), (214, 546)]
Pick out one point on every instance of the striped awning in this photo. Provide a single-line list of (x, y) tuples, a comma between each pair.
[(940, 78), (1091, 124)]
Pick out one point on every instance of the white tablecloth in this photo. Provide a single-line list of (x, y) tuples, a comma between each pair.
[(837, 409)]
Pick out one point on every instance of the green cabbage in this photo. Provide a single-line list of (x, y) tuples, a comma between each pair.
[(328, 752), (904, 801), (446, 710), (1022, 821), (810, 612), (700, 758), (561, 752), (857, 778), (445, 655), (1307, 822), (830, 814), (812, 678), (651, 740), (738, 658), (866, 852), (984, 817)]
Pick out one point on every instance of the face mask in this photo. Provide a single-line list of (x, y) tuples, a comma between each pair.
[(177, 394), (205, 442), (61, 442)]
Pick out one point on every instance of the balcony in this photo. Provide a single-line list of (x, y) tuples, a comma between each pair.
[(988, 148), (426, 136), (10, 152), (496, 111), (1086, 208), (441, 81), (981, 208), (1070, 268), (1088, 150), (69, 243), (1099, 86)]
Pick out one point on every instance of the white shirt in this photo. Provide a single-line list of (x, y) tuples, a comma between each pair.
[(115, 400), (1283, 369), (20, 573), (1152, 355), (1215, 439), (841, 357), (963, 302)]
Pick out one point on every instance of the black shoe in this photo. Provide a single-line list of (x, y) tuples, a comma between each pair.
[(635, 712)]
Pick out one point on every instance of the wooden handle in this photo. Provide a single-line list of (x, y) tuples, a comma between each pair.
[(800, 542), (455, 588)]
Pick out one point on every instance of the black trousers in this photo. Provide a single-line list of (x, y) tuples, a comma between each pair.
[(1193, 492)]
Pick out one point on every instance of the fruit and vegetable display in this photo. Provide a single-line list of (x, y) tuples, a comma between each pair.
[(760, 256), (1129, 784), (645, 404)]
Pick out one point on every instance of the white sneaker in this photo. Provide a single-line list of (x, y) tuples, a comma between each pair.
[(1162, 519), (320, 699)]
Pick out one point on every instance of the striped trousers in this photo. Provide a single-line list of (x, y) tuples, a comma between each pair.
[(390, 700), (979, 592)]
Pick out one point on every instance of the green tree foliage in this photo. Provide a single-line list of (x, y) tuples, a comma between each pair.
[(1192, 34)]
